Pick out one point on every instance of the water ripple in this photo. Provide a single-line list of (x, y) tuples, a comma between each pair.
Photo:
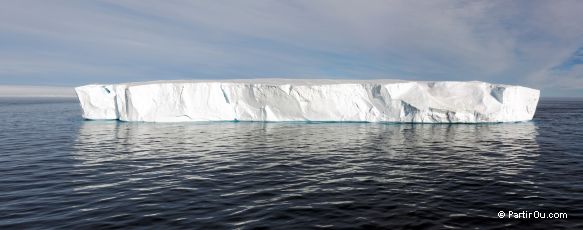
[(62, 172)]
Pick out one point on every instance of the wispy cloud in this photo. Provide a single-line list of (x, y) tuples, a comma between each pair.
[(77, 42)]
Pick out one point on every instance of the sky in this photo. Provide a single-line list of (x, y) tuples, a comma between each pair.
[(532, 43)]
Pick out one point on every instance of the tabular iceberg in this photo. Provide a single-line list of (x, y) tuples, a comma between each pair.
[(309, 100)]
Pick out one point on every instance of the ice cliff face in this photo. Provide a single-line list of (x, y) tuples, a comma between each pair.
[(309, 100)]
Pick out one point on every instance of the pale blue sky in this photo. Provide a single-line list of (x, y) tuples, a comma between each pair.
[(68, 43)]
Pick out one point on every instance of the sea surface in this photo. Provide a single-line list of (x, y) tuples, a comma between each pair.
[(60, 171)]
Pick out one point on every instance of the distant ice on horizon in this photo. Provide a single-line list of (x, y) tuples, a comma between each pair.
[(36, 91)]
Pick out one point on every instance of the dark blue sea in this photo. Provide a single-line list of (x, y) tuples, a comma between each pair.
[(60, 171)]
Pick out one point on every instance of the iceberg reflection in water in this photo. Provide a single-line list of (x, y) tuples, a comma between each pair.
[(263, 174)]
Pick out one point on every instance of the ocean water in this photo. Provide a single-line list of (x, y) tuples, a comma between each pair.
[(59, 171)]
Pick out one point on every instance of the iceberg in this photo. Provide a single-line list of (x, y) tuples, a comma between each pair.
[(309, 100)]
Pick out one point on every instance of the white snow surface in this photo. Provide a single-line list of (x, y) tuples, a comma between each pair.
[(309, 100)]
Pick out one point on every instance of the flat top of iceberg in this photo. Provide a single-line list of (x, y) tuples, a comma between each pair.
[(283, 81)]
